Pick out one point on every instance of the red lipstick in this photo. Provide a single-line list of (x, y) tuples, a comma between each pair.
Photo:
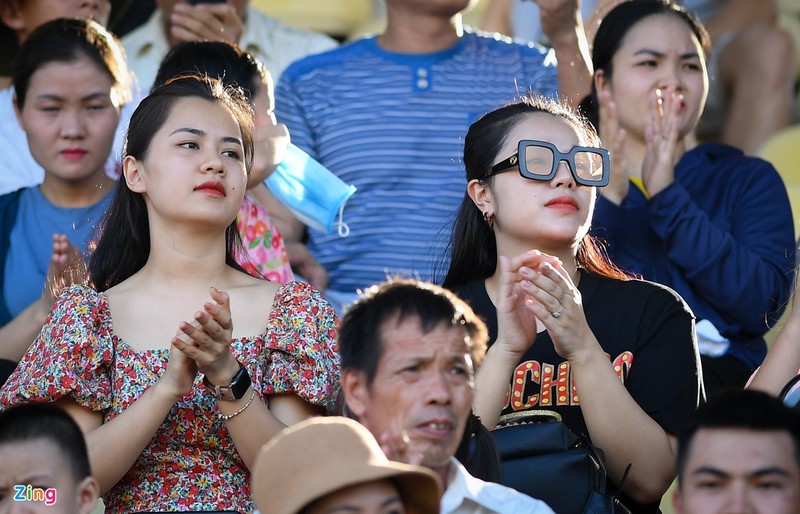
[(565, 203), (73, 153), (212, 188)]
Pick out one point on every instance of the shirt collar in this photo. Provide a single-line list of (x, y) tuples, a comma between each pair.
[(461, 487)]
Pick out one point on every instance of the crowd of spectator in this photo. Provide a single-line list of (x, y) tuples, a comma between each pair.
[(569, 222)]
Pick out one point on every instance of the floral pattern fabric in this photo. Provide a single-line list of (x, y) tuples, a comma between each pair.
[(266, 254), (191, 462)]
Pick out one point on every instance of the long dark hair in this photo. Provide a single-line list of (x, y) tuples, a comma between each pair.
[(124, 244), (473, 247), (616, 25)]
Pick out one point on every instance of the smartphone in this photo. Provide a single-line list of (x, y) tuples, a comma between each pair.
[(195, 2)]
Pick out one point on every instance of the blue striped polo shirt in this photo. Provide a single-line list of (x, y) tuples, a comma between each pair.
[(393, 125)]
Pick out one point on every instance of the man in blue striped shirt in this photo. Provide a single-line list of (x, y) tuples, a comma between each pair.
[(388, 114)]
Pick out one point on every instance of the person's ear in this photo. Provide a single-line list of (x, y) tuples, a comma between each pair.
[(600, 81), (11, 16), (17, 110), (481, 195), (88, 493), (132, 174), (356, 392)]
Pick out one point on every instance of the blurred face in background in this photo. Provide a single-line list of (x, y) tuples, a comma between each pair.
[(41, 464), (444, 8), (378, 497), (658, 54), (740, 471), (24, 16), (69, 116)]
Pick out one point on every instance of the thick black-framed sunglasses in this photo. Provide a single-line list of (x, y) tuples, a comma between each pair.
[(589, 166)]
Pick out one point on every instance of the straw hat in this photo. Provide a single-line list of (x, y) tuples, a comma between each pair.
[(320, 456)]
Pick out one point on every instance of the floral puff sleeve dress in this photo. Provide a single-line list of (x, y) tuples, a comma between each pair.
[(191, 462)]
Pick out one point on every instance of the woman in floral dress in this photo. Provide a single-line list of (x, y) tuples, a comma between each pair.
[(177, 364)]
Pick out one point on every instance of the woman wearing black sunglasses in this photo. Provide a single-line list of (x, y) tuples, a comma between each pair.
[(615, 358)]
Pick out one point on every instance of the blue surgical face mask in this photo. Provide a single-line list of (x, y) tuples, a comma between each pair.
[(311, 191)]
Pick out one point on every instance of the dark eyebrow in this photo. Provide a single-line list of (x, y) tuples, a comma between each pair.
[(414, 361), (90, 96), (761, 472), (656, 53), (37, 477), (196, 132), (390, 501), (772, 470), (202, 133), (706, 470), (94, 96), (229, 139)]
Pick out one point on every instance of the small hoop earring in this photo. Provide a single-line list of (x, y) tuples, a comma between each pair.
[(488, 217)]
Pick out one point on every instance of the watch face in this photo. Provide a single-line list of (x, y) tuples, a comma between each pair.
[(240, 383)]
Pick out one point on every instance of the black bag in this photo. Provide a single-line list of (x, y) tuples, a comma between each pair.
[(541, 457)]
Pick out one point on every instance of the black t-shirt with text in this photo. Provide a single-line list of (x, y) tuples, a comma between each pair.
[(648, 333)]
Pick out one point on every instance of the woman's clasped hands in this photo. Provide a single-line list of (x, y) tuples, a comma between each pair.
[(203, 345), (536, 294)]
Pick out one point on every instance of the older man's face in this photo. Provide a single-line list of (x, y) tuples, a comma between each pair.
[(740, 471), (422, 391)]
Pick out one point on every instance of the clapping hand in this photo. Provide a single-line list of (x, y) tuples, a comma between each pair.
[(207, 339), (516, 325), (613, 139), (661, 137), (206, 22), (552, 297), (397, 447), (67, 267), (181, 369)]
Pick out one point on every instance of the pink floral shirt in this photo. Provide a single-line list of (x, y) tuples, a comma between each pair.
[(266, 253)]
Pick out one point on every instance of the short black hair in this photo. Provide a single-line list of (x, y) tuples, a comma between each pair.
[(739, 409), (36, 421), (359, 335), (229, 63)]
